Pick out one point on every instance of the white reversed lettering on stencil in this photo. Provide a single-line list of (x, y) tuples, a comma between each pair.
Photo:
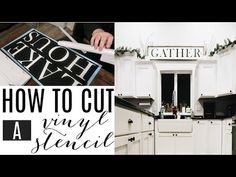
[(17, 49), (30, 36), (32, 52), (45, 68), (45, 45), (85, 70), (58, 59)]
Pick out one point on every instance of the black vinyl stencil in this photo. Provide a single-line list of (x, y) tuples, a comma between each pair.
[(51, 64)]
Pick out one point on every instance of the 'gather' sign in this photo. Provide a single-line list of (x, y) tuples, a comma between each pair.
[(175, 52)]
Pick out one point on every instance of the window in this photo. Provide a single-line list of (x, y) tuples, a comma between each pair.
[(167, 82), (175, 90)]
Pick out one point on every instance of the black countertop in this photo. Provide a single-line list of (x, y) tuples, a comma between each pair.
[(198, 118), (217, 118), (128, 105)]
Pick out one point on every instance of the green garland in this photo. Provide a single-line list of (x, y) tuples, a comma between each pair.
[(219, 48), (122, 50)]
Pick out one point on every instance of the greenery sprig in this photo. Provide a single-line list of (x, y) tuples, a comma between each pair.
[(219, 48), (122, 50)]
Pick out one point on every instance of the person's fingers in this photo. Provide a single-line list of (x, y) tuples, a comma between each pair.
[(96, 41), (101, 40), (102, 43), (109, 42), (92, 40)]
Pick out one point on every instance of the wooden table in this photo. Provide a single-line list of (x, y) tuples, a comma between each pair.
[(103, 78)]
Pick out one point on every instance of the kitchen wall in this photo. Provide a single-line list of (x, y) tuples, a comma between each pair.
[(139, 35)]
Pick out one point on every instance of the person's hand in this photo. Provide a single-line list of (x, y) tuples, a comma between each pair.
[(101, 39)]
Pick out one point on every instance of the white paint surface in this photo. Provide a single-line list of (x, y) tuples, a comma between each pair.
[(140, 35)]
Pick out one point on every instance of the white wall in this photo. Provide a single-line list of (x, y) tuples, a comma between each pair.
[(139, 35)]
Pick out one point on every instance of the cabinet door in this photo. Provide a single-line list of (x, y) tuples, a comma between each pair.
[(135, 146), (127, 121), (200, 129), (128, 144), (144, 79), (165, 143), (148, 143), (184, 143), (125, 77), (207, 79), (233, 64), (227, 137), (227, 143), (214, 137), (147, 123), (121, 145), (225, 75)]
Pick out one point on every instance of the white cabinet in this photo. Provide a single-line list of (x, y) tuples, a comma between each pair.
[(165, 143), (227, 136), (234, 71), (134, 132), (200, 129), (207, 136), (147, 134), (224, 75), (207, 78), (148, 143), (171, 138), (147, 123), (127, 121), (144, 79), (128, 138), (136, 144), (121, 145), (129, 144), (125, 77), (226, 82), (214, 137), (174, 143), (134, 78), (184, 143)]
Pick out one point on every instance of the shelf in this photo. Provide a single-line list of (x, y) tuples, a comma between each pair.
[(182, 114), (126, 97), (126, 104), (168, 113), (144, 97), (220, 96), (225, 95), (185, 114), (141, 101), (144, 104), (206, 97), (138, 97)]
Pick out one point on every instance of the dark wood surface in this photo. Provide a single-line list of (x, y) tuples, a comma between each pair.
[(103, 78)]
